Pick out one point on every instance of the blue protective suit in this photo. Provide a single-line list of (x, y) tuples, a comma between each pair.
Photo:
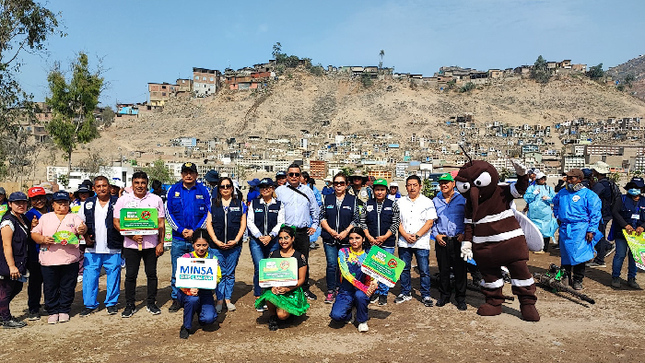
[(579, 212), (540, 211)]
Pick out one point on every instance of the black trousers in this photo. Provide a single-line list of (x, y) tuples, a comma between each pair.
[(59, 283), (132, 262), (35, 287), (547, 240), (578, 272), (603, 245), (301, 244), (449, 260)]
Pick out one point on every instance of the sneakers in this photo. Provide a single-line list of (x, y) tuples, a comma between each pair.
[(540, 252), (230, 306), (218, 308), (373, 298), (86, 312), (184, 333), (63, 317), (611, 250), (174, 307), (330, 297), (427, 301), (577, 285), (128, 311), (153, 309), (112, 310), (273, 323), (313, 245), (34, 316), (79, 279), (310, 295), (402, 298), (462, 306), (363, 328), (595, 264), (382, 300), (615, 282), (441, 302), (13, 324), (52, 319), (633, 284)]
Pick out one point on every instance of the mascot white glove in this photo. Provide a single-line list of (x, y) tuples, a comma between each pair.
[(520, 169), (466, 250)]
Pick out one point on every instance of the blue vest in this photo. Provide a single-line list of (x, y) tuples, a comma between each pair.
[(114, 238), (338, 220), (633, 208), (19, 244), (379, 223), (227, 225), (265, 216)]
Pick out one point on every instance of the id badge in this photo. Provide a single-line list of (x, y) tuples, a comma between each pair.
[(636, 216)]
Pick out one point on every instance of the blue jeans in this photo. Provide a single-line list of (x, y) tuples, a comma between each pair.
[(424, 270), (332, 277), (622, 250), (382, 288), (93, 262), (258, 252), (342, 308), (179, 248), (202, 304), (227, 260)]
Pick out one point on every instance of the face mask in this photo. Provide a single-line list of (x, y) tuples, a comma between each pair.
[(634, 192)]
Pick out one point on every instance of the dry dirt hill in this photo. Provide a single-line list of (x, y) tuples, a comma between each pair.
[(635, 67)]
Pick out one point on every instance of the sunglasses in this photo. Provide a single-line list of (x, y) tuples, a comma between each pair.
[(226, 186), (294, 174), (339, 183)]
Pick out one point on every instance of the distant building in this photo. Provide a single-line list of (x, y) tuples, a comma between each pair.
[(205, 81), (160, 93), (318, 169)]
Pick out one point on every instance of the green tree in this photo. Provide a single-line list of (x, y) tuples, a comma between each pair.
[(159, 171), (428, 190), (629, 80), (596, 72), (107, 116), (366, 80), (467, 87), (73, 105), (381, 54), (540, 71), (347, 170), (503, 174)]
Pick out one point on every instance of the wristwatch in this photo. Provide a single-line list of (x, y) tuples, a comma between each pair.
[(416, 236)]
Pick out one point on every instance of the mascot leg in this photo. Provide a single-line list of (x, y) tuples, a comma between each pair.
[(524, 288), (491, 287)]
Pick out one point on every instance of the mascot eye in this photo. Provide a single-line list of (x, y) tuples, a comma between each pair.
[(483, 180), (463, 187)]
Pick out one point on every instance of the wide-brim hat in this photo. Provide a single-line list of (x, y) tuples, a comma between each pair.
[(635, 183), (601, 167)]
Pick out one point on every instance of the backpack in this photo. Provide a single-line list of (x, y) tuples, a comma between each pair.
[(615, 192)]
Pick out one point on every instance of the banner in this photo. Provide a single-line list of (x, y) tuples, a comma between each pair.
[(65, 238), (637, 246), (278, 272), (3, 209), (138, 221), (199, 273), (167, 240), (383, 266)]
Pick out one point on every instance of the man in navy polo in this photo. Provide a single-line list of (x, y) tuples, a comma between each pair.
[(187, 205)]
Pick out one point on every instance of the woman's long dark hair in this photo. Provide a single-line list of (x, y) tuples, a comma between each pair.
[(218, 200)]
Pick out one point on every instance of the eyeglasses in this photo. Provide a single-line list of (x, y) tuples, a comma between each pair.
[(339, 183), (226, 186), (294, 174)]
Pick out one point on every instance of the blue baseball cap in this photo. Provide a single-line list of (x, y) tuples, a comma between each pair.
[(212, 176), (280, 174), (266, 182), (18, 197), (60, 195)]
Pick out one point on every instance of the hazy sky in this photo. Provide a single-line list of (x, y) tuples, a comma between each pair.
[(143, 41)]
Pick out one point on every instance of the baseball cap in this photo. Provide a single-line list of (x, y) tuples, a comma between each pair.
[(394, 184), (381, 182), (577, 173), (266, 182), (280, 174), (83, 188), (446, 177), (2, 191), (36, 191), (189, 167), (17, 197), (539, 175), (212, 176), (60, 195)]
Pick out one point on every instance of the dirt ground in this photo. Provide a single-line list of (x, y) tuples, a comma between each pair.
[(569, 331)]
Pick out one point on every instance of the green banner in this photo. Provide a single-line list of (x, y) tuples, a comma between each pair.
[(3, 209), (65, 238), (637, 246), (278, 272), (138, 218), (383, 266)]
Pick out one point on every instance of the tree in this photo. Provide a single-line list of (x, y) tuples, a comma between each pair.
[(596, 72), (381, 54), (347, 170), (629, 80), (159, 172), (428, 189), (540, 71), (366, 80), (94, 164), (73, 106), (107, 116), (25, 25), (467, 87)]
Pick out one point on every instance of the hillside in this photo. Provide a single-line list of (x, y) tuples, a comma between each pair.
[(635, 67)]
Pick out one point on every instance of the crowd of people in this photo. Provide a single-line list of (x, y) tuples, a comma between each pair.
[(54, 240)]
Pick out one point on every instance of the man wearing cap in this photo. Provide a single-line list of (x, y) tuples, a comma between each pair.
[(380, 222), (578, 210), (187, 206), (604, 188), (301, 212), (448, 233), (394, 191), (39, 206), (280, 178), (264, 219), (4, 207)]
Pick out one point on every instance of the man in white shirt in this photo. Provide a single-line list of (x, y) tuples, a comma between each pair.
[(417, 214), (104, 245)]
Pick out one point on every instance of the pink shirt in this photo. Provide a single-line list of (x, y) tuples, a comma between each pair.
[(148, 201), (57, 254)]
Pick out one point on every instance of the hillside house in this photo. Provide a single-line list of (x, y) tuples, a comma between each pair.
[(160, 93), (205, 81)]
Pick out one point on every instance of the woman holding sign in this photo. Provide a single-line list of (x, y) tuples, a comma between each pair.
[(226, 223), (284, 301), (57, 234), (355, 287)]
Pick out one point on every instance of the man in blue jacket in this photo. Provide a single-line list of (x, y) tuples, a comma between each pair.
[(187, 206)]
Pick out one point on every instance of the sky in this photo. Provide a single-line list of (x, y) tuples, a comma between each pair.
[(145, 41)]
